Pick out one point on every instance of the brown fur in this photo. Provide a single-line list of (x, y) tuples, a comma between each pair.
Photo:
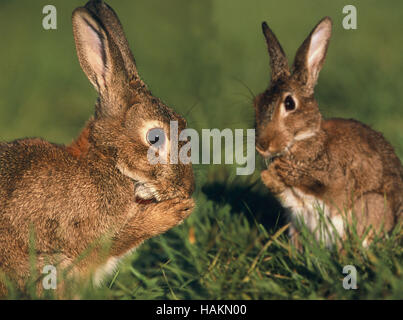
[(343, 163), (81, 145), (75, 199)]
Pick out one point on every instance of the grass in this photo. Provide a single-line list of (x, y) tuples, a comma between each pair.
[(207, 59), (221, 254)]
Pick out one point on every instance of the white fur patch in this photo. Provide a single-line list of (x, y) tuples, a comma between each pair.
[(304, 135), (365, 243), (338, 224), (144, 190), (306, 207), (109, 267)]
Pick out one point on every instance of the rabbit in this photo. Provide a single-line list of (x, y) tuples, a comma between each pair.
[(341, 168), (101, 188)]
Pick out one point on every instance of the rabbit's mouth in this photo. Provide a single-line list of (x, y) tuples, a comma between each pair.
[(144, 192), (270, 157)]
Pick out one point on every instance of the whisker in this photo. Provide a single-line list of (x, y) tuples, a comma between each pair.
[(191, 108), (246, 86)]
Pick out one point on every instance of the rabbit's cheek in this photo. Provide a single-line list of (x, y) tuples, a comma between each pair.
[(279, 143), (267, 141)]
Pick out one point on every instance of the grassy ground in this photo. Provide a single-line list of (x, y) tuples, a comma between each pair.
[(207, 59)]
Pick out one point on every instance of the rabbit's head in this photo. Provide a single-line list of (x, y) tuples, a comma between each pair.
[(128, 119), (287, 111)]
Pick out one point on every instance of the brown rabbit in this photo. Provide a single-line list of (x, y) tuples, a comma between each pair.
[(341, 166), (102, 186)]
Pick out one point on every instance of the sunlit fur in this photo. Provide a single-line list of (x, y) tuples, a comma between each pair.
[(342, 166), (98, 197)]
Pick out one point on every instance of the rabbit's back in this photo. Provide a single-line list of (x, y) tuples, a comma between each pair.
[(368, 157), (67, 201)]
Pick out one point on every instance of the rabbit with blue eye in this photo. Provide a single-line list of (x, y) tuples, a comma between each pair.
[(339, 167), (102, 186)]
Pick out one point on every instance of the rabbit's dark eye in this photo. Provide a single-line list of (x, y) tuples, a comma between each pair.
[(289, 103), (156, 137)]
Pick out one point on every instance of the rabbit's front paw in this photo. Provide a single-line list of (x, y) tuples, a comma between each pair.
[(155, 219), (272, 181), (167, 214), (179, 208)]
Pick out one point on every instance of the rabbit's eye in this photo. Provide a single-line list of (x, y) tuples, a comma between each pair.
[(156, 137), (289, 103)]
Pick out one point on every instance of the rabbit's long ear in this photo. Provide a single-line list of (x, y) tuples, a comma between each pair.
[(278, 61), (311, 55), (100, 59), (114, 28)]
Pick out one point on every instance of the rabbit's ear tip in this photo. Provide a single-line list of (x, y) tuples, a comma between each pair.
[(81, 14), (95, 5), (326, 20), (264, 26), (80, 11), (94, 2)]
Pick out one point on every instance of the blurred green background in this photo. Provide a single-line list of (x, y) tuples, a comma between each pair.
[(203, 58), (207, 59)]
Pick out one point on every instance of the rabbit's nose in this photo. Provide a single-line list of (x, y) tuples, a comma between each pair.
[(264, 152), (262, 146)]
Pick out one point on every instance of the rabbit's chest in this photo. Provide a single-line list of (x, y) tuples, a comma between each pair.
[(109, 267), (312, 211), (106, 269)]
